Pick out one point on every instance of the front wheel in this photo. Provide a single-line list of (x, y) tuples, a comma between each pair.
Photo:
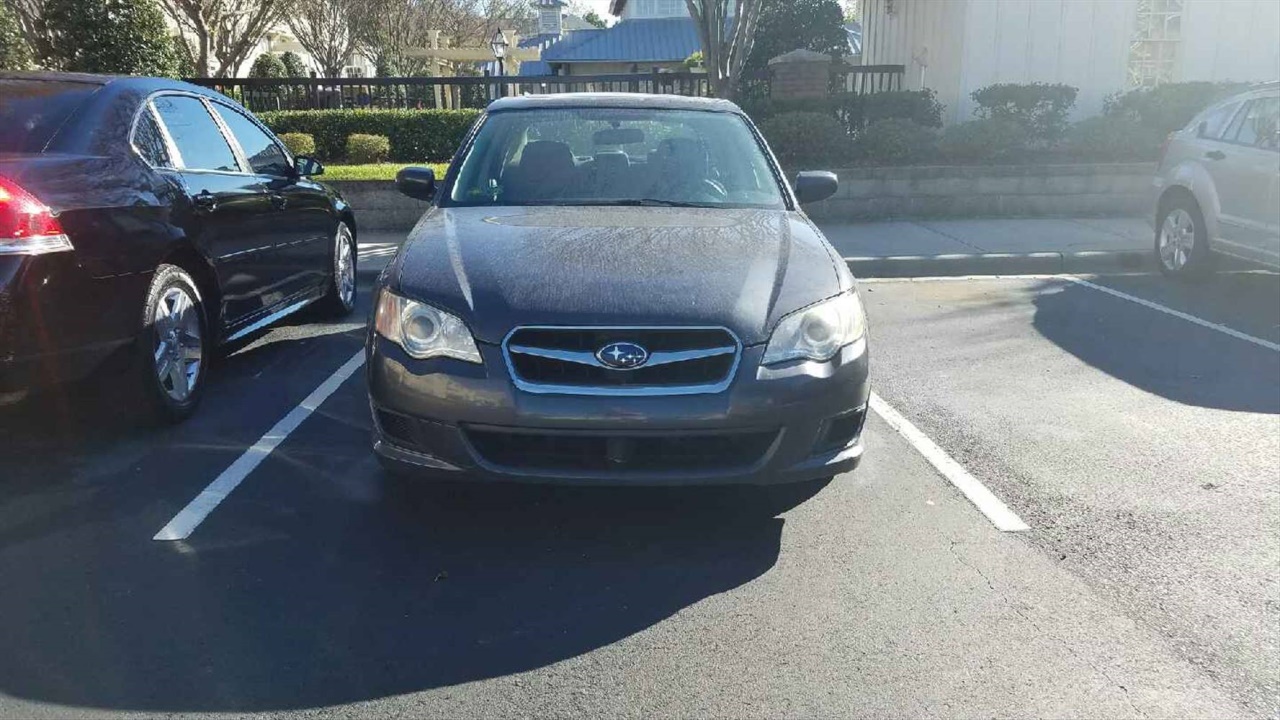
[(173, 347), (1182, 241), (340, 299)]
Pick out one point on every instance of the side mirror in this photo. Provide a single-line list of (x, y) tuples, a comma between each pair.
[(812, 186), (418, 183), (307, 167)]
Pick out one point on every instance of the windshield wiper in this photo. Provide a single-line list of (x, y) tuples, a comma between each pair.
[(648, 202)]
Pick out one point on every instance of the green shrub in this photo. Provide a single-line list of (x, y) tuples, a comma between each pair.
[(15, 54), (299, 143), (919, 106), (119, 37), (1111, 138), (293, 66), (368, 149), (1040, 108), (990, 141), (267, 66), (806, 139), (1168, 107), (894, 142), (856, 111), (415, 135)]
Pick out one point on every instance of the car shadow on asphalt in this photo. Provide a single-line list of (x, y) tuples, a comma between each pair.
[(1158, 353), (339, 602)]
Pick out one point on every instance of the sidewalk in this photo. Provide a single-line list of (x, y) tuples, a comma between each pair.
[(986, 247), (945, 237)]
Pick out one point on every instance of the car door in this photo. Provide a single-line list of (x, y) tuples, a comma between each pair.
[(301, 211), (226, 207), (1210, 150), (1254, 200)]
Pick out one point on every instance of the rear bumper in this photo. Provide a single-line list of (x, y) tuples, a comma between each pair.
[(450, 419), (57, 324)]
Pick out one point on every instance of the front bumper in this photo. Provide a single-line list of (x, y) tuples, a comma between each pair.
[(443, 417)]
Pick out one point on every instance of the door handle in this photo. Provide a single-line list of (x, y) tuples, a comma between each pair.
[(278, 201), (205, 201), (1215, 155)]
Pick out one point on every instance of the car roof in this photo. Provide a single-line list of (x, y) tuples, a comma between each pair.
[(613, 100), (113, 82)]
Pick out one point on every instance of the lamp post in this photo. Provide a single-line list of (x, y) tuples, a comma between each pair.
[(498, 44)]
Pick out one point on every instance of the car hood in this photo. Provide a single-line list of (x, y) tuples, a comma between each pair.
[(499, 268)]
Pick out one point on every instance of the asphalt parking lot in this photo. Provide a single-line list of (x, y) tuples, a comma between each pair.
[(1132, 425)]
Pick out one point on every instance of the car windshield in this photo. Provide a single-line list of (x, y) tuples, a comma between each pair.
[(31, 111), (616, 156)]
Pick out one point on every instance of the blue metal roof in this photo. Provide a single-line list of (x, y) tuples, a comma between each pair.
[(639, 40), (535, 67)]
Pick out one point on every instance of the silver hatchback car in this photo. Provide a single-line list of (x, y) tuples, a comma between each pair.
[(1217, 190)]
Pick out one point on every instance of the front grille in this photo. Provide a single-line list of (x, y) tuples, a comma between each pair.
[(563, 360), (608, 453)]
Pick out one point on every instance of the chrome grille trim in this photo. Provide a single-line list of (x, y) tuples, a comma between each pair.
[(657, 358)]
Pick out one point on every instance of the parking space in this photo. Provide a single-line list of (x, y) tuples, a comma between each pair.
[(1140, 448)]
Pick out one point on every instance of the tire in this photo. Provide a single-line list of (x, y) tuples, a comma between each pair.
[(340, 299), (1182, 240), (173, 349)]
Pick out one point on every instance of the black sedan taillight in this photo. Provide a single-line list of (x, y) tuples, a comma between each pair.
[(27, 226)]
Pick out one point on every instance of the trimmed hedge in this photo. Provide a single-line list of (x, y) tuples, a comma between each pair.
[(1170, 106), (991, 141), (1111, 138), (368, 149), (894, 141), (1040, 108), (805, 138), (414, 135), (299, 144), (857, 111)]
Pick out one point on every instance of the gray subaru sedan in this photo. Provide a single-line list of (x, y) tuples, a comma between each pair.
[(617, 289)]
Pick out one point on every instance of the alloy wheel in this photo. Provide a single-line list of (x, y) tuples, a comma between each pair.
[(344, 267), (179, 347), (1177, 239)]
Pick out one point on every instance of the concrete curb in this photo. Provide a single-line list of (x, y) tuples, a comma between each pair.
[(1039, 263)]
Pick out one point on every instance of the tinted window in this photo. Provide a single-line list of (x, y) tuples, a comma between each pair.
[(1215, 121), (616, 156), (264, 155), (196, 135), (1257, 125), (149, 141), (31, 111)]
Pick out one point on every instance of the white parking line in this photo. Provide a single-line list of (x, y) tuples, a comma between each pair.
[(190, 517), (1178, 314), (987, 503)]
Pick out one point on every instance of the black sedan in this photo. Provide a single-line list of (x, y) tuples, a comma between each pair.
[(151, 220), (618, 289)]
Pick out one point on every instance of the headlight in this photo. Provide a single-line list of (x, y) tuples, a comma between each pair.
[(818, 331), (424, 331)]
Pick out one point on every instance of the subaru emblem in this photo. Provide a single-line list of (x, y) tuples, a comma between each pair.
[(622, 356)]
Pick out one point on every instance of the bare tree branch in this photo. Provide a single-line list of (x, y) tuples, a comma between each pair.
[(219, 35), (329, 30), (724, 50)]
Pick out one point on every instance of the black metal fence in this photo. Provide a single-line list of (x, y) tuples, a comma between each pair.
[(264, 94), (867, 79)]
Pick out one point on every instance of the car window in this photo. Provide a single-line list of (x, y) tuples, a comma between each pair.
[(31, 111), (198, 138), (1215, 121), (1256, 127), (149, 141), (262, 152), (616, 156)]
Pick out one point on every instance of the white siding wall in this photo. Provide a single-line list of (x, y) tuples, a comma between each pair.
[(1231, 40), (963, 45), (1084, 43)]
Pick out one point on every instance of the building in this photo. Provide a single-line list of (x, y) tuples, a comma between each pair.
[(650, 35), (1099, 46)]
